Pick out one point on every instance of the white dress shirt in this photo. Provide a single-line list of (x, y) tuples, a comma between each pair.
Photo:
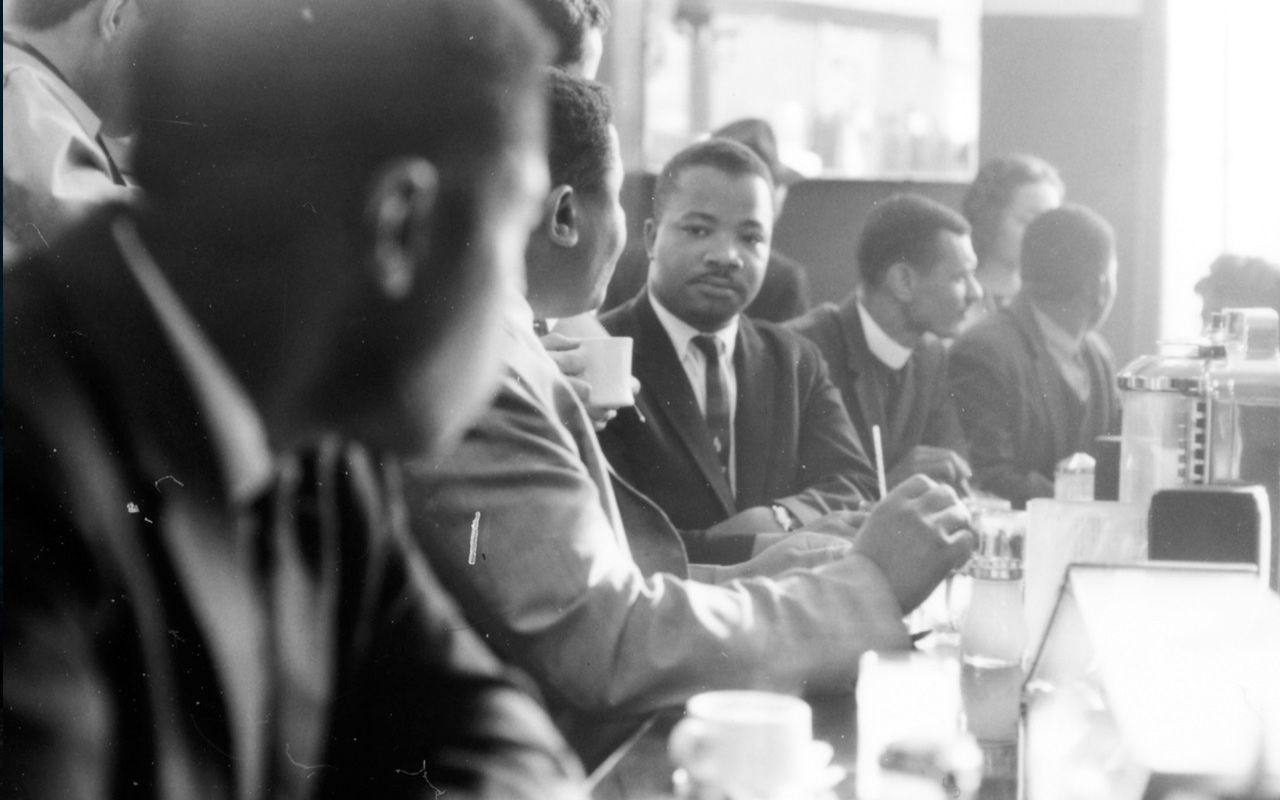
[(55, 168), (882, 345), (695, 366)]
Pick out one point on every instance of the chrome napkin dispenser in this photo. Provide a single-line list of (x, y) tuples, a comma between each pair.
[(1155, 681), (1207, 416)]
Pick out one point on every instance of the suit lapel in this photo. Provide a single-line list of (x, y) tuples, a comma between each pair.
[(663, 378), (1049, 381), (753, 425), (870, 407)]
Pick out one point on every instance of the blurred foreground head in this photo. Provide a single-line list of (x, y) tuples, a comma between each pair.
[(342, 192)]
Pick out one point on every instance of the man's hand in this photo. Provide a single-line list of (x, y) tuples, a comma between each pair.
[(939, 463), (917, 535), (838, 524), (567, 353), (845, 524), (801, 550)]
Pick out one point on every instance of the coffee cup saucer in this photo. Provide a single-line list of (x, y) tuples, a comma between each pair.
[(822, 774)]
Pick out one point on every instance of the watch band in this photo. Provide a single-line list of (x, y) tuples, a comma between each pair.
[(783, 516)]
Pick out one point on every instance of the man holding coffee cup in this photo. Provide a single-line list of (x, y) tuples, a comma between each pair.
[(582, 581)]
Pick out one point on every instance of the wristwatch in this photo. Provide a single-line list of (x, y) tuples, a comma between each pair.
[(783, 516)]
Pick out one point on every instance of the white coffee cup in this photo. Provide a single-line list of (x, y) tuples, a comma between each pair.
[(608, 370), (748, 744)]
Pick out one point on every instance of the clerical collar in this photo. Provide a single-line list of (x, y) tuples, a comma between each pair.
[(681, 332), (882, 345)]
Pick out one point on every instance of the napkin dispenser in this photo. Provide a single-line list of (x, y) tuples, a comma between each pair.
[(1207, 415), (1155, 681), (1218, 524)]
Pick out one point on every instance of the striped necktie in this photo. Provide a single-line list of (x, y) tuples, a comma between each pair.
[(718, 422)]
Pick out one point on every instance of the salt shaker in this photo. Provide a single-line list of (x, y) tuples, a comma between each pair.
[(1073, 479), (993, 631)]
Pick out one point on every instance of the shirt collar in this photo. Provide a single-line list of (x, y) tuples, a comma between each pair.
[(1058, 339), (682, 333), (882, 345), (84, 115)]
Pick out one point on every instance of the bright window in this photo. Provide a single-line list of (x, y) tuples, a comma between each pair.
[(854, 88), (1222, 180)]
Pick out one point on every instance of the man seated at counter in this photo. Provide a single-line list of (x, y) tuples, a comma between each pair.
[(740, 430), (582, 582), (881, 344), (1035, 382), (211, 592)]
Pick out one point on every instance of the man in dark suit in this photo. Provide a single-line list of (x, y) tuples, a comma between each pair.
[(211, 592), (881, 344), (1035, 383), (572, 575), (739, 429)]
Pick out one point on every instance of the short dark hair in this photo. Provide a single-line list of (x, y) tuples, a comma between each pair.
[(41, 15), (1065, 250), (266, 122), (568, 21), (725, 155), (580, 149), (904, 227), (291, 106), (993, 189)]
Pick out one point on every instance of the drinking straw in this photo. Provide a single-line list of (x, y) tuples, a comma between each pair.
[(879, 446)]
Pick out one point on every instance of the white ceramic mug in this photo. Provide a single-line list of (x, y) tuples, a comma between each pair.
[(608, 370), (748, 744), (906, 699)]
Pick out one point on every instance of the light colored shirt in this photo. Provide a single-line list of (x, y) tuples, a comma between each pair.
[(694, 362), (882, 345), (1065, 350), (55, 167)]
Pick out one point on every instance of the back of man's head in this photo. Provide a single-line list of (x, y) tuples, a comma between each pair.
[(904, 228), (569, 22), (39, 15), (266, 117), (580, 149), (729, 157), (1065, 252)]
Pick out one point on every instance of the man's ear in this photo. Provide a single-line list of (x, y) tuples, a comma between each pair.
[(561, 217), (399, 211), (900, 280), (650, 236), (111, 18)]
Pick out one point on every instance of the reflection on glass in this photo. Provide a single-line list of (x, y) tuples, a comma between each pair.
[(853, 88)]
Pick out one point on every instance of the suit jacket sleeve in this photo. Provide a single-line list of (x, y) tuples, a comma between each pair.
[(427, 708), (986, 391), (554, 589), (833, 464), (418, 705)]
